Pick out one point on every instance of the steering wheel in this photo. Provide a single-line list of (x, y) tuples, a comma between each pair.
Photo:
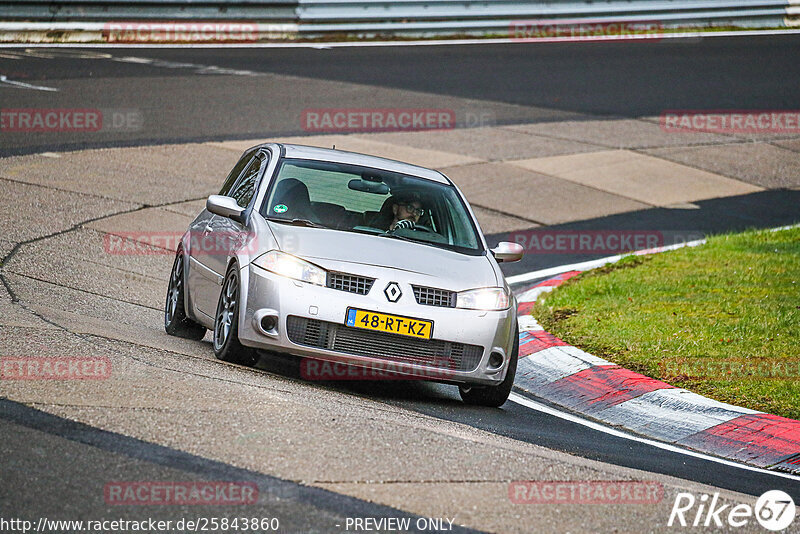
[(423, 228)]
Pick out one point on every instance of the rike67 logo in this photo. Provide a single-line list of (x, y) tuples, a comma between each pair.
[(774, 510)]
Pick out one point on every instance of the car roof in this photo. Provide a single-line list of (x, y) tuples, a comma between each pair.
[(364, 160)]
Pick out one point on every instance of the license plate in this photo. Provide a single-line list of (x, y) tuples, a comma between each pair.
[(394, 324)]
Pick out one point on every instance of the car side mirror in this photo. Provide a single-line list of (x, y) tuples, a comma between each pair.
[(507, 252), (225, 207)]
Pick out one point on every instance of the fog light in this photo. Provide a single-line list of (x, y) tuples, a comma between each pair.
[(269, 322), (495, 360), (266, 321)]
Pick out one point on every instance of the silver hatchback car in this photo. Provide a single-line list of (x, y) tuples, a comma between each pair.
[(353, 259)]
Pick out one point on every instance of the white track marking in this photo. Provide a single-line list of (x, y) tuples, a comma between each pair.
[(197, 67), (789, 227), (592, 264), (528, 403), (437, 42), (69, 54), (552, 271), (6, 81)]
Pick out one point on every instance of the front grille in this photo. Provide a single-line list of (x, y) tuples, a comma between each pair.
[(350, 283), (430, 296), (390, 347)]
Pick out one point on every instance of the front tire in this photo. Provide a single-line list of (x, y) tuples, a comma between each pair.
[(176, 323), (493, 396), (227, 346)]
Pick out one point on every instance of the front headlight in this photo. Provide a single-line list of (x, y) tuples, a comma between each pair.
[(487, 298), (291, 267)]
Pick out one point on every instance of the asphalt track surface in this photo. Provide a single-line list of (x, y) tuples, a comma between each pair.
[(538, 83), (95, 455), (521, 423), (203, 94)]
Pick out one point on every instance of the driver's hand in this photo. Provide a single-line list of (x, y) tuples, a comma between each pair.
[(405, 223)]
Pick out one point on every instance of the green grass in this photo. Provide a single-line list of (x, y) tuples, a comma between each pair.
[(722, 319)]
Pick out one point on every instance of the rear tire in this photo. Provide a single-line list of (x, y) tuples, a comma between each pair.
[(176, 323), (227, 346), (493, 396)]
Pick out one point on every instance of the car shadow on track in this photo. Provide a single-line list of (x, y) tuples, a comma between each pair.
[(414, 390), (765, 209)]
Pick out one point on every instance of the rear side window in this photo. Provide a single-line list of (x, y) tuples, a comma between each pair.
[(234, 174), (244, 188)]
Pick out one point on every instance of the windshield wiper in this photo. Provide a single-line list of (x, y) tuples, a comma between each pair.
[(297, 222), (401, 237)]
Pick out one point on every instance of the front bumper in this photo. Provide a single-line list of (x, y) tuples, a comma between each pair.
[(267, 294)]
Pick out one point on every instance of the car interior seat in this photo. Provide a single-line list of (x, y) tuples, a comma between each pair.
[(293, 194)]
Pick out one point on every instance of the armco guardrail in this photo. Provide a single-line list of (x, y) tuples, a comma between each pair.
[(453, 17), (371, 18), (419, 10), (108, 10)]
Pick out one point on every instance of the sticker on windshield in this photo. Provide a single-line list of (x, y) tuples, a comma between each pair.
[(280, 208)]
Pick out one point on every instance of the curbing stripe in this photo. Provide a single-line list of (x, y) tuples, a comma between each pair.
[(600, 387), (531, 342), (621, 433), (790, 464), (758, 439), (527, 323), (567, 376), (525, 309), (559, 279), (553, 364), (528, 297), (670, 414)]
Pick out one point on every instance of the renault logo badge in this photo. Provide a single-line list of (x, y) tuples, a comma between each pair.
[(393, 292)]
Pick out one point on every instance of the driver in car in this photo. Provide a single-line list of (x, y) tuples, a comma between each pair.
[(407, 210)]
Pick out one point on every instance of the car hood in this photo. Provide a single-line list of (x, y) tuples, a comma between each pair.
[(362, 254)]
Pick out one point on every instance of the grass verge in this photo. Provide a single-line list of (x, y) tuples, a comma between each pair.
[(722, 319)]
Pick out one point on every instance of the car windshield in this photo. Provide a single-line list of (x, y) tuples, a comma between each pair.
[(358, 199)]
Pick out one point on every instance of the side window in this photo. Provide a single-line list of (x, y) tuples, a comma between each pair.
[(235, 173), (244, 189)]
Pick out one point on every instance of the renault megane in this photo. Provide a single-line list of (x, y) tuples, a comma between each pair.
[(348, 258)]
